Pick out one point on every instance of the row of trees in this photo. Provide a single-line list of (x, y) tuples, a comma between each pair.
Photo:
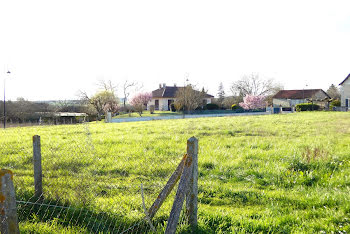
[(250, 92), (23, 110), (253, 92)]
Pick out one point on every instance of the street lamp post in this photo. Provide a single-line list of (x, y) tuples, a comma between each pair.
[(8, 73), (185, 87)]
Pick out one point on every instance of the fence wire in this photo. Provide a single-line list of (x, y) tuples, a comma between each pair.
[(92, 178)]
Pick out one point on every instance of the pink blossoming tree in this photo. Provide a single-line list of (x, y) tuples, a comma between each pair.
[(251, 102), (140, 100), (111, 107)]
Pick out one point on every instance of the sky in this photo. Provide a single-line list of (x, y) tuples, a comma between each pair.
[(56, 48)]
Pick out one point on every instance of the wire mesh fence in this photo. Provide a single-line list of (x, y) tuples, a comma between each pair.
[(93, 179)]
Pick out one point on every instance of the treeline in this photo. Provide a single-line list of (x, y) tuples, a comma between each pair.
[(22, 110)]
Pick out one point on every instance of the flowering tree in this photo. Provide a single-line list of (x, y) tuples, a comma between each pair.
[(140, 100), (111, 107), (253, 102)]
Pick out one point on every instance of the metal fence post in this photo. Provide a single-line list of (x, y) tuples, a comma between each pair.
[(8, 210), (38, 175)]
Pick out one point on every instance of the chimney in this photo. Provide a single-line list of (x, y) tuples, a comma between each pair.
[(160, 86), (164, 85)]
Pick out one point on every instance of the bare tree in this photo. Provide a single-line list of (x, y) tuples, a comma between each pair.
[(108, 86), (254, 85), (188, 99), (127, 88)]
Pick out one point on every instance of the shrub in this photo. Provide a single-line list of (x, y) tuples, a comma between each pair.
[(334, 103), (251, 102), (237, 108), (151, 109), (212, 106), (306, 107), (172, 107)]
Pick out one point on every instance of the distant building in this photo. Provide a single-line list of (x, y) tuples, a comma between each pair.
[(163, 97), (62, 117), (345, 92), (290, 98)]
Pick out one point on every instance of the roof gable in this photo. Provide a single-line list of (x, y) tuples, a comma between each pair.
[(298, 94), (345, 80)]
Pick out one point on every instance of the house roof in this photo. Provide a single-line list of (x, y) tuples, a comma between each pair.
[(345, 80), (298, 94), (170, 92)]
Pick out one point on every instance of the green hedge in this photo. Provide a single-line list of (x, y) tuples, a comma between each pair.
[(212, 106), (334, 103), (307, 107)]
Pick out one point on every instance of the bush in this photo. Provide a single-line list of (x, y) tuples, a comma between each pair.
[(334, 103), (306, 107), (151, 109), (212, 106), (172, 107), (235, 107)]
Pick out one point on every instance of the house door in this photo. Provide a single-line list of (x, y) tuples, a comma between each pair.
[(169, 103), (156, 104)]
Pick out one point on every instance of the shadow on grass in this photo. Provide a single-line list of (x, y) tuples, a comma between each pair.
[(36, 211)]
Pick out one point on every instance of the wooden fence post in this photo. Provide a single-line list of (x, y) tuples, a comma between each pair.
[(38, 175), (167, 189), (192, 193), (8, 210), (180, 196)]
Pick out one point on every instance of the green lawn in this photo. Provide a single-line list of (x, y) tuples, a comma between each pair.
[(273, 173)]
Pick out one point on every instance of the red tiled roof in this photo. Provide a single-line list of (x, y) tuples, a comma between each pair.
[(170, 92), (298, 94), (345, 80)]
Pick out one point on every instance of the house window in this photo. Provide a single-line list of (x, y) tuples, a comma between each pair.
[(347, 102)]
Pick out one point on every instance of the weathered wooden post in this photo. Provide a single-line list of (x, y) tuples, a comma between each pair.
[(192, 193), (38, 175), (167, 189), (188, 187), (180, 196), (8, 210)]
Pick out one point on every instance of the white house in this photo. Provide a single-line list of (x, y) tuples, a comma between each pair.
[(163, 97), (345, 92), (290, 98)]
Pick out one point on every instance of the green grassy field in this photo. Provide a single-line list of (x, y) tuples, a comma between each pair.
[(257, 174)]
